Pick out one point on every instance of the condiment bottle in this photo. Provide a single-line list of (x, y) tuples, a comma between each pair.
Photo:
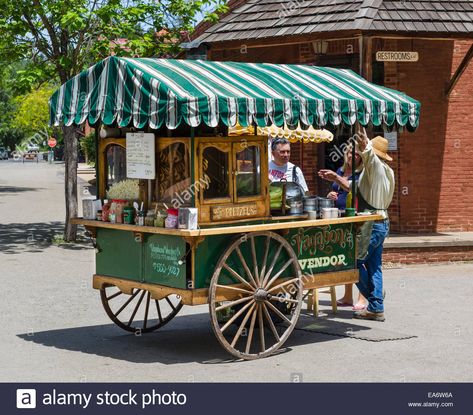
[(171, 219), (105, 211), (159, 220), (149, 219), (128, 215)]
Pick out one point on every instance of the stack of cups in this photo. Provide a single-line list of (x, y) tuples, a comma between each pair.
[(330, 213)]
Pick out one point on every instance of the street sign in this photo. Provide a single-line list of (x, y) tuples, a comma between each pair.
[(52, 142), (396, 56)]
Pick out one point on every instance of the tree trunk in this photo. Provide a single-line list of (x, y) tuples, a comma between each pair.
[(70, 181)]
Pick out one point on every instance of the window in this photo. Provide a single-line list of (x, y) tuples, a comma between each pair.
[(248, 172), (173, 171), (216, 170), (115, 166)]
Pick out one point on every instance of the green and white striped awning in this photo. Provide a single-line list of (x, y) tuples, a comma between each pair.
[(146, 91)]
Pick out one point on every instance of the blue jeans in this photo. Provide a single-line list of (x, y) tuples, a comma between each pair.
[(371, 274)]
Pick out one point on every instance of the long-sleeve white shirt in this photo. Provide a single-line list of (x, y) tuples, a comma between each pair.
[(376, 183)]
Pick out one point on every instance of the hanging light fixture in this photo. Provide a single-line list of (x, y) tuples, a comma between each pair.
[(320, 47)]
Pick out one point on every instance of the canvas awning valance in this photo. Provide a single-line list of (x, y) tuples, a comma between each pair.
[(147, 91)]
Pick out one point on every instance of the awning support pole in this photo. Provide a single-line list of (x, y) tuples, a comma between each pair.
[(97, 176), (353, 169), (192, 137)]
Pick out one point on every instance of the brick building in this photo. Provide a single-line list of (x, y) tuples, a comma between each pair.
[(434, 190)]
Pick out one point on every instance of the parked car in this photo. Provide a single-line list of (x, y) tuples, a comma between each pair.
[(31, 155), (3, 154)]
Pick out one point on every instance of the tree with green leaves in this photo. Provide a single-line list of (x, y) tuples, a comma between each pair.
[(58, 39), (10, 136), (32, 111)]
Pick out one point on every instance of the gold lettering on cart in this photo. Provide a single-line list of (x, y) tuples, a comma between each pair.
[(230, 212), (322, 240)]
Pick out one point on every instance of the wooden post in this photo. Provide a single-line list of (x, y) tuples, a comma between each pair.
[(458, 73), (70, 181), (367, 67)]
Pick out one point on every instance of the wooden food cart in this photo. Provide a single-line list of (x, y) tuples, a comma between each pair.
[(249, 266)]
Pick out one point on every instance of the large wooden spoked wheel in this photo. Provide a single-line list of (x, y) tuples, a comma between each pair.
[(138, 312), (255, 295)]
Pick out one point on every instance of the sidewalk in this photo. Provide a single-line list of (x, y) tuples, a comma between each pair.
[(444, 239)]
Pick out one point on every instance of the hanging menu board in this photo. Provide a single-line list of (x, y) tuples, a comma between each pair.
[(140, 156)]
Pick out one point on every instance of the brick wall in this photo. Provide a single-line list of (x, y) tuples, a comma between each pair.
[(426, 255), (456, 185), (433, 190)]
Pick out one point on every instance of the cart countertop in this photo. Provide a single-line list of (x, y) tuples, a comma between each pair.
[(220, 230)]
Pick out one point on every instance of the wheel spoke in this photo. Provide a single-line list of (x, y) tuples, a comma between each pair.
[(268, 274), (261, 328), (159, 311), (242, 325), (283, 299), (245, 265), (145, 321), (283, 268), (278, 312), (114, 295), (170, 303), (236, 315), (276, 287), (265, 258), (231, 304), (270, 321), (229, 287), (250, 331), (255, 262), (237, 276), (127, 302), (136, 308)]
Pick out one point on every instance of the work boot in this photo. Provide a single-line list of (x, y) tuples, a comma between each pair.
[(368, 315)]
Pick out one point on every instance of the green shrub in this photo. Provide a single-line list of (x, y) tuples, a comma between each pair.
[(87, 145)]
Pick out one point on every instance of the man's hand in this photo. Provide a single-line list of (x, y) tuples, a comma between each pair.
[(361, 138), (328, 175), (332, 195), (334, 177)]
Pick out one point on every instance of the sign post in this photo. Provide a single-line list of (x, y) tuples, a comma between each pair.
[(52, 142)]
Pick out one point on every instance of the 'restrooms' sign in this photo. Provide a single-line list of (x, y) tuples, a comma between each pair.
[(396, 56)]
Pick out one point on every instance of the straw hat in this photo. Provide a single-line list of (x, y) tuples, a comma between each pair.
[(380, 147)]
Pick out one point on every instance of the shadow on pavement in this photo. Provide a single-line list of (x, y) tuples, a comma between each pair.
[(16, 238), (188, 338), (15, 189)]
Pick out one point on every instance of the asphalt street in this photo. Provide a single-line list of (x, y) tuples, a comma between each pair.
[(54, 327)]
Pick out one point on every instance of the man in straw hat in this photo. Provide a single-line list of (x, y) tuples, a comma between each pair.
[(375, 193)]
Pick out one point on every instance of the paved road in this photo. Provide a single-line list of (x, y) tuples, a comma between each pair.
[(54, 328)]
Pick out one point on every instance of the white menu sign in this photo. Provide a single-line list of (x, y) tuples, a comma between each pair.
[(140, 156), (392, 140)]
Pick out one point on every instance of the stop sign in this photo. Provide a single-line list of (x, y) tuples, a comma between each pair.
[(52, 142)]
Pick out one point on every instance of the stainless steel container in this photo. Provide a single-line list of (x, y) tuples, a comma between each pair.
[(310, 204), (296, 207), (326, 203)]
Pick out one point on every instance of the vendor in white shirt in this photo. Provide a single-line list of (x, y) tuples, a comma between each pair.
[(280, 168)]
